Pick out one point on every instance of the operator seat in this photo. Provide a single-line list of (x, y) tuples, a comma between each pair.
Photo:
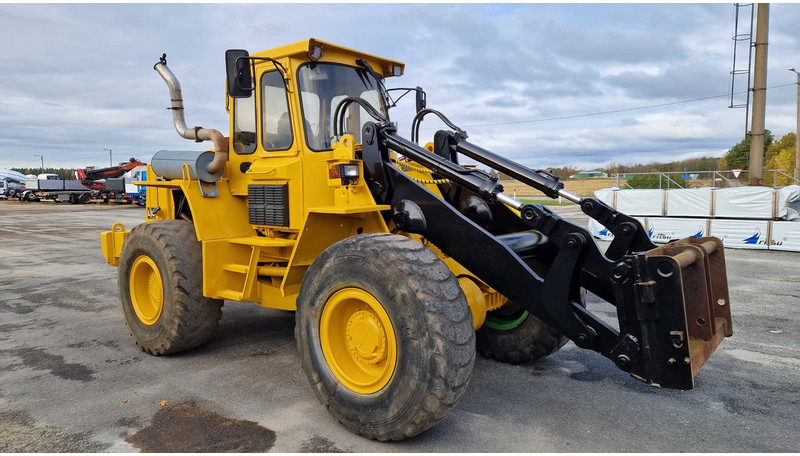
[(283, 138)]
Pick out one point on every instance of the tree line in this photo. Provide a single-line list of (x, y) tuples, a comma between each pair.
[(63, 173), (779, 154)]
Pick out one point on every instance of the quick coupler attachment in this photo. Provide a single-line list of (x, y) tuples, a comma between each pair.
[(673, 300)]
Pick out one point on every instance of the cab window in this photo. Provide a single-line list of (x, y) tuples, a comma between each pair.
[(244, 125), (322, 87), (276, 125)]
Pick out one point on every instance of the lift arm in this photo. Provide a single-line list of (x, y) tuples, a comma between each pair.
[(672, 303)]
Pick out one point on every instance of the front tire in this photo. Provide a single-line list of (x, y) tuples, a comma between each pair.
[(161, 288), (385, 335)]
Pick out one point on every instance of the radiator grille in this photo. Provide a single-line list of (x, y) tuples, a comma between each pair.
[(268, 204)]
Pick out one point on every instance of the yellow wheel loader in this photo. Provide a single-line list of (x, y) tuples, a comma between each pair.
[(399, 261)]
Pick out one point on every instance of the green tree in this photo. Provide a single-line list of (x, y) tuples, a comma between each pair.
[(739, 155), (786, 142), (780, 155), (63, 173)]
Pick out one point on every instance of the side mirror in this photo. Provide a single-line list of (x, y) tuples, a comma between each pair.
[(240, 80), (422, 99)]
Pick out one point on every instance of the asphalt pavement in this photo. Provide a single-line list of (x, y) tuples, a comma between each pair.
[(71, 378)]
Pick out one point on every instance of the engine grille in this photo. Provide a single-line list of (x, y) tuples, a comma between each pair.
[(268, 204)]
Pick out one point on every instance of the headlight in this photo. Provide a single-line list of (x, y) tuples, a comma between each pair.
[(345, 171), (350, 171), (315, 53)]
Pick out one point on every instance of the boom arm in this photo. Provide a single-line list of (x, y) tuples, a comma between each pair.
[(665, 332), (89, 177)]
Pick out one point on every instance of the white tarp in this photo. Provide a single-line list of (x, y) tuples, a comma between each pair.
[(12, 176), (689, 202), (741, 234), (789, 203), (599, 231), (785, 236), (606, 195), (663, 230), (744, 202), (641, 202)]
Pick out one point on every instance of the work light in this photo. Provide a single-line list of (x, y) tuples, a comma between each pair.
[(315, 53), (350, 171)]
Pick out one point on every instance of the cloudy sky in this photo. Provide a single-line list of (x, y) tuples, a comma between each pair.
[(75, 79)]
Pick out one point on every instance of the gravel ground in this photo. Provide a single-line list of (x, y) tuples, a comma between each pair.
[(71, 379)]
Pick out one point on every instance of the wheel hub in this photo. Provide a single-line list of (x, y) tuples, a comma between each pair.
[(358, 341), (366, 337), (147, 290)]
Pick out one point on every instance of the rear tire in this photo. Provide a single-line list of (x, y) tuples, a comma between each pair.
[(161, 288), (430, 324)]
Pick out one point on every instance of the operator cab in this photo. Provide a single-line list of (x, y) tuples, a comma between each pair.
[(323, 74)]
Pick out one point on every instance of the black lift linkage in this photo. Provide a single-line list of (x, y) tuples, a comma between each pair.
[(647, 311)]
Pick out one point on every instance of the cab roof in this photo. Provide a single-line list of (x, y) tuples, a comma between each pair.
[(302, 48)]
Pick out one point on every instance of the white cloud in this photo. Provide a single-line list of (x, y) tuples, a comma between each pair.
[(75, 79)]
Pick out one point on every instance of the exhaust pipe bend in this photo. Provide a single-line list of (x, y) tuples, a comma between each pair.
[(198, 134)]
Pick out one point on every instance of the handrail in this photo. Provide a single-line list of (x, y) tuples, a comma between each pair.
[(713, 174)]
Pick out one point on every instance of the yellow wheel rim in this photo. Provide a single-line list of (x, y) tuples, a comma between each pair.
[(358, 340), (147, 290)]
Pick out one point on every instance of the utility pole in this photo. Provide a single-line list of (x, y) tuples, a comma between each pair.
[(42, 157), (110, 160), (759, 96), (797, 131)]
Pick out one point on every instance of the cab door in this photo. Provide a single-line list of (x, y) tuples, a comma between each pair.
[(265, 155)]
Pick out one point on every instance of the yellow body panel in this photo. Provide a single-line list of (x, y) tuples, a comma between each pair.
[(111, 243)]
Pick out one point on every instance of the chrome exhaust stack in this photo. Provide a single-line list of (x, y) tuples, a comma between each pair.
[(198, 134)]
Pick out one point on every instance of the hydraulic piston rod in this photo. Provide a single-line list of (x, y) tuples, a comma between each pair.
[(548, 185), (474, 181), (462, 176)]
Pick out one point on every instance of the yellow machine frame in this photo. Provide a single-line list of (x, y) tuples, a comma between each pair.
[(266, 264)]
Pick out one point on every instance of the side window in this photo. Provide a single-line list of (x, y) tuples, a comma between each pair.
[(312, 118), (276, 124), (244, 125), (311, 112)]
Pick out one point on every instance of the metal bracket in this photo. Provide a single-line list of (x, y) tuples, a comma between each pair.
[(208, 189), (559, 286), (629, 235)]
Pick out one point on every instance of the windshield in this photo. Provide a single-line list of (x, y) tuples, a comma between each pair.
[(322, 87)]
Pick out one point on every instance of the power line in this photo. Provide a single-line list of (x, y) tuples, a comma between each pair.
[(615, 111)]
